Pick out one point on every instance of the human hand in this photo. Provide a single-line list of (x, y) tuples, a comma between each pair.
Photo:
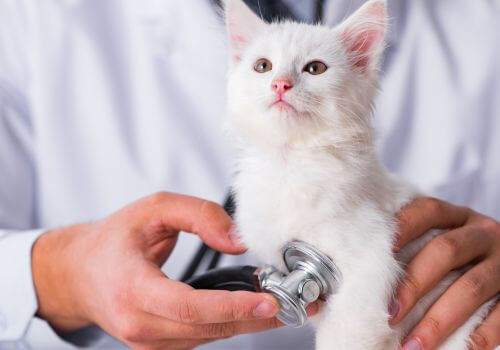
[(471, 238), (108, 273)]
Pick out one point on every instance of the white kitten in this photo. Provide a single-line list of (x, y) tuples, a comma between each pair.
[(306, 167)]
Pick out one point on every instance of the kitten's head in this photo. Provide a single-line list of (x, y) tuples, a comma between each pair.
[(293, 83)]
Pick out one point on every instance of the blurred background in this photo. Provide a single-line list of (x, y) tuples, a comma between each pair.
[(106, 101)]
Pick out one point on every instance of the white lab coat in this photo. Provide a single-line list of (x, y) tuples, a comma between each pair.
[(103, 102)]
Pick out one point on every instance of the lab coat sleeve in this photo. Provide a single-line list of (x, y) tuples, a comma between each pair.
[(18, 213), (18, 301)]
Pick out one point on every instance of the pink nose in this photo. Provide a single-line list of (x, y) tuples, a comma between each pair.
[(281, 85)]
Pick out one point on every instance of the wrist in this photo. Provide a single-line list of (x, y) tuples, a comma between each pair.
[(54, 276)]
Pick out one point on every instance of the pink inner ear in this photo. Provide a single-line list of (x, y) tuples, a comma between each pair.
[(237, 42), (238, 39), (377, 10), (243, 25), (362, 46), (364, 34)]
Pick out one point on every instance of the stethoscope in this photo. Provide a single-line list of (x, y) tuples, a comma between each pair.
[(270, 10), (310, 274)]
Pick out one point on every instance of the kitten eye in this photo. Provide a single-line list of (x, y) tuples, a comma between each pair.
[(315, 68), (263, 65)]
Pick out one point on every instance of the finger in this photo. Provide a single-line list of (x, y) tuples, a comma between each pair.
[(181, 303), (312, 309), (169, 213), (144, 327), (223, 330), (183, 344), (170, 344), (147, 327), (444, 253), (426, 213), (487, 335), (456, 305), (229, 329)]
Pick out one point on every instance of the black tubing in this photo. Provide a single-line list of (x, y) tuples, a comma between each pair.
[(215, 260), (226, 278), (203, 250), (195, 262)]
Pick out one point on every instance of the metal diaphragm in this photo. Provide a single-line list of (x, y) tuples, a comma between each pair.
[(312, 275)]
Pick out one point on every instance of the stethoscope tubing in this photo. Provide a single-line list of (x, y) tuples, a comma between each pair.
[(204, 252), (226, 278)]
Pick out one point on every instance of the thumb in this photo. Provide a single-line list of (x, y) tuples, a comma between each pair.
[(204, 218), (216, 228)]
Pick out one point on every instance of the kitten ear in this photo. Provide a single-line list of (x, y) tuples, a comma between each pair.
[(363, 35), (242, 26)]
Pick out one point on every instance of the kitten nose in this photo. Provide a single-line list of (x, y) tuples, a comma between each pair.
[(281, 85)]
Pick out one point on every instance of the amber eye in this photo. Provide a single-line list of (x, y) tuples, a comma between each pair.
[(315, 68), (263, 65)]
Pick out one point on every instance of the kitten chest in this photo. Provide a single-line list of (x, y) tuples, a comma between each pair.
[(280, 198)]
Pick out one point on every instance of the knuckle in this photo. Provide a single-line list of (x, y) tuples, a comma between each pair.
[(157, 198), (432, 204), (474, 285), (481, 341), (210, 213), (412, 286), (187, 312), (434, 326), (211, 209), (220, 330), (232, 313), (446, 246), (493, 273)]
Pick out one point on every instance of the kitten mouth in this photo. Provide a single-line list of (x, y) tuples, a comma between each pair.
[(282, 105)]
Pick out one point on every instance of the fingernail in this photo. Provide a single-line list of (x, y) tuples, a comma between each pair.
[(394, 308), (266, 309), (395, 244), (312, 309), (234, 237), (412, 344)]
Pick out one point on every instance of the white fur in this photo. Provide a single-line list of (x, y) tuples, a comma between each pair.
[(312, 174)]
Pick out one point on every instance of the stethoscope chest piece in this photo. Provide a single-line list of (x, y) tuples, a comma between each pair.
[(312, 275)]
